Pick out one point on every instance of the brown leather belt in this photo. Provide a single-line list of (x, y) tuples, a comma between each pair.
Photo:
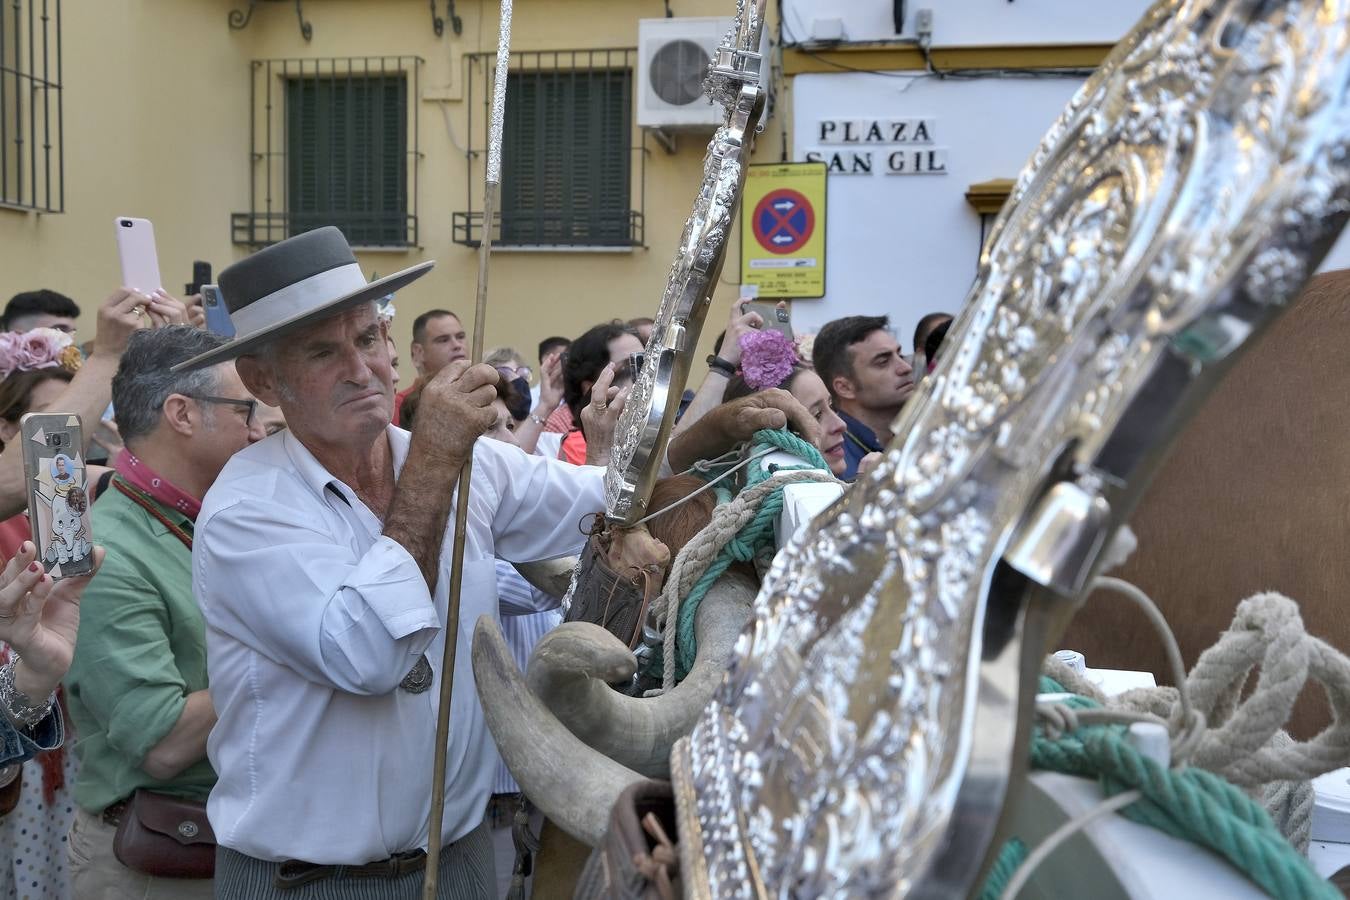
[(294, 872)]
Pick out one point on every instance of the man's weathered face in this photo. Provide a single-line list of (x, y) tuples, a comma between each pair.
[(882, 378), (333, 379), (444, 343)]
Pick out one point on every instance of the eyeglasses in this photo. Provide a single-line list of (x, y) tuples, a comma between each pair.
[(511, 373), (250, 405)]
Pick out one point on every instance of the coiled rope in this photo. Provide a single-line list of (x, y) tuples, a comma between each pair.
[(741, 529), (1201, 798)]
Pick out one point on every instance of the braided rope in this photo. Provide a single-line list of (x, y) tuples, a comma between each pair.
[(1245, 748), (739, 531)]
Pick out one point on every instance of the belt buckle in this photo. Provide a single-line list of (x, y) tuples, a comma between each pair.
[(294, 873)]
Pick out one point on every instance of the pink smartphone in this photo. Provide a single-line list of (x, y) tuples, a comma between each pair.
[(136, 249)]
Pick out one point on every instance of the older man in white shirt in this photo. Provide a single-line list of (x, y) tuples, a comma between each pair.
[(322, 564)]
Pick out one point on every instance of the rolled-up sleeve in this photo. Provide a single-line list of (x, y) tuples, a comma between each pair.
[(268, 576), (124, 670)]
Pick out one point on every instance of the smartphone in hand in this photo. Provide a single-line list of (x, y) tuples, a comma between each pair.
[(201, 274), (217, 314), (136, 250), (775, 319), (58, 493)]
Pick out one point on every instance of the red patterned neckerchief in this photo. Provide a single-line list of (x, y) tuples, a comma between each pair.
[(160, 489)]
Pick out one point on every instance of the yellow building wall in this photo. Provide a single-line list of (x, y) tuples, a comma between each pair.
[(157, 113)]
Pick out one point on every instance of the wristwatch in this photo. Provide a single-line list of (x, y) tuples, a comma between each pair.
[(718, 364)]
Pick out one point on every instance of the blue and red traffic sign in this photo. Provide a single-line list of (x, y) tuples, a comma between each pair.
[(783, 221)]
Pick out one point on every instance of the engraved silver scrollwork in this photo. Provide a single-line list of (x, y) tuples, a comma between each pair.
[(644, 426), (1179, 202)]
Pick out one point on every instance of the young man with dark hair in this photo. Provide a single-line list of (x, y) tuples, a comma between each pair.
[(40, 309), (438, 339), (551, 345), (551, 350), (869, 380)]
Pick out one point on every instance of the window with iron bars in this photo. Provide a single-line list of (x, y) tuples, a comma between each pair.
[(334, 143), (32, 146), (567, 151)]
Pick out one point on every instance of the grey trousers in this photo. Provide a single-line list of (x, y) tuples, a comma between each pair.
[(466, 873)]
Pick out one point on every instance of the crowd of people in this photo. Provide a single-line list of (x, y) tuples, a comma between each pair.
[(249, 679)]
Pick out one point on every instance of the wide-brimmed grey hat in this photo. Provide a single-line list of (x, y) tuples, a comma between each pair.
[(284, 287)]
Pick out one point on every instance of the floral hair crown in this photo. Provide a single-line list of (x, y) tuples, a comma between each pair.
[(41, 348), (767, 359)]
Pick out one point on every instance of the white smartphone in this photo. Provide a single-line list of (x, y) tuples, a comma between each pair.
[(136, 249)]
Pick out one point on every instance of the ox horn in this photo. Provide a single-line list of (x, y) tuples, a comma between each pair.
[(574, 785), (572, 667)]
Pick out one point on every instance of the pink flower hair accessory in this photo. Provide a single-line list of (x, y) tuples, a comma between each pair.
[(40, 348), (767, 358)]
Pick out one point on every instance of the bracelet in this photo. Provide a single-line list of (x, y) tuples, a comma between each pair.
[(18, 705), (718, 364), (538, 421)]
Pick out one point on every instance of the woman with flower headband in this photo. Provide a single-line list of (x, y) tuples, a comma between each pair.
[(769, 360), (42, 369), (36, 367)]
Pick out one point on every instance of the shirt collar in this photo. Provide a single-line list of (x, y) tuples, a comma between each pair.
[(319, 479), (860, 432)]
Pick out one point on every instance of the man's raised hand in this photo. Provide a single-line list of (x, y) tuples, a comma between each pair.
[(456, 409)]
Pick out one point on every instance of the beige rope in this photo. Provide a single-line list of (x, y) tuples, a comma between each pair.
[(1244, 741), (697, 555)]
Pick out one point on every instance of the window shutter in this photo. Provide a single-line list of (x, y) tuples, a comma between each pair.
[(565, 157), (347, 140)]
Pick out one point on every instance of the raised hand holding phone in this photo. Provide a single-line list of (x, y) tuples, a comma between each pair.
[(136, 251), (58, 498)]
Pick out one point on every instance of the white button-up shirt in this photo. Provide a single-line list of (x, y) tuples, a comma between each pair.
[(314, 617)]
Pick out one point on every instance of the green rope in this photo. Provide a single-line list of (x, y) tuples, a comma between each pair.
[(1012, 855), (1188, 803), (755, 536)]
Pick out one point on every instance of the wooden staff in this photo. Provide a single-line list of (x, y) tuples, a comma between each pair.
[(491, 191)]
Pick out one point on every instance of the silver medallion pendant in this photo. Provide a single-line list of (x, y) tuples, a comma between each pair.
[(418, 678)]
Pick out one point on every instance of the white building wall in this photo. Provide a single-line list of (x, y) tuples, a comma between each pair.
[(907, 245), (964, 23)]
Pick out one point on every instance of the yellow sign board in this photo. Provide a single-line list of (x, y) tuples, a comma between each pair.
[(783, 229)]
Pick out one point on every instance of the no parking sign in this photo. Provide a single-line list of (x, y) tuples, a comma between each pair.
[(783, 229)]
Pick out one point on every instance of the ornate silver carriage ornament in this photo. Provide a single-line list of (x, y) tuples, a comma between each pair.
[(867, 735), (645, 424)]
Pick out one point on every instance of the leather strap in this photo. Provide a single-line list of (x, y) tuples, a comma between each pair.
[(294, 873), (148, 505)]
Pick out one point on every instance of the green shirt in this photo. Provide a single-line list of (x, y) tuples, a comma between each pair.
[(140, 652)]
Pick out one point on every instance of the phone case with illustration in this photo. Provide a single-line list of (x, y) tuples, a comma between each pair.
[(58, 496)]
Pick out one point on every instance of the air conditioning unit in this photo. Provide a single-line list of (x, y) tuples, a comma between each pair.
[(673, 56)]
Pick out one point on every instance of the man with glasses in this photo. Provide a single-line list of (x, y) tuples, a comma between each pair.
[(138, 687)]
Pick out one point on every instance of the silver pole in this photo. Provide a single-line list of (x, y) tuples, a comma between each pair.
[(491, 191)]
